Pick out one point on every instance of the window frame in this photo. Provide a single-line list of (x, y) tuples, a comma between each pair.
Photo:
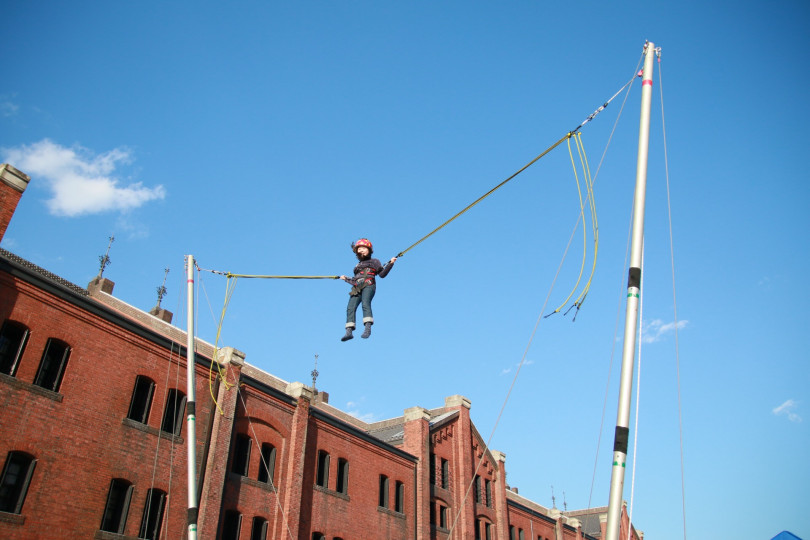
[(261, 533), (267, 465), (231, 530), (140, 405), (342, 483), (322, 471), (8, 327), (114, 518), (242, 445), (16, 490), (383, 499), (399, 497), (152, 523), (179, 404), (52, 367)]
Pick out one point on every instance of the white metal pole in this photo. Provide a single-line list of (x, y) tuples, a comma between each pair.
[(191, 436), (631, 319)]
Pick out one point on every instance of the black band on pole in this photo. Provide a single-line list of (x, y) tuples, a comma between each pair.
[(634, 278), (192, 516), (620, 442), (191, 408)]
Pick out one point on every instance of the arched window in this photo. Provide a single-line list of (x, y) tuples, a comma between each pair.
[(115, 511), (52, 366), (152, 514), (383, 491), (173, 413), (342, 476), (141, 399), (259, 529), (267, 467), (322, 479), (13, 337), (14, 483), (241, 454)]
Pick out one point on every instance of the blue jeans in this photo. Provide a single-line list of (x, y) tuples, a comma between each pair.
[(364, 298)]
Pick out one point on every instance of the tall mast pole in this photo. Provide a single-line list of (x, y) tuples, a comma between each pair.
[(191, 405), (633, 293)]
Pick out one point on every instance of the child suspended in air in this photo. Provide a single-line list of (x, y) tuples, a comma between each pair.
[(363, 286)]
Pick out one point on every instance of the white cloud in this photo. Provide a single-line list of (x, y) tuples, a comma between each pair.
[(353, 409), (788, 409), (655, 330), (7, 108), (81, 183)]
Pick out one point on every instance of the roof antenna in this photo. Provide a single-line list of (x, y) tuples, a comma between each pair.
[(565, 504), (104, 260), (315, 374), (553, 498), (161, 291)]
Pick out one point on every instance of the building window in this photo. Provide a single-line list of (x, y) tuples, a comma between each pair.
[(52, 366), (399, 497), (259, 529), (141, 399), (445, 473), (512, 533), (487, 531), (267, 468), (13, 337), (432, 469), (383, 491), (342, 476), (322, 479), (231, 525), (318, 536), (488, 487), (241, 455), (520, 535), (117, 507), (173, 414), (17, 474), (477, 489), (478, 525), (442, 516), (152, 514)]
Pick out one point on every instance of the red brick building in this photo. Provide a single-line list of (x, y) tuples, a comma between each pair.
[(92, 437)]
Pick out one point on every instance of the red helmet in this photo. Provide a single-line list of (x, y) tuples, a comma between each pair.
[(363, 242)]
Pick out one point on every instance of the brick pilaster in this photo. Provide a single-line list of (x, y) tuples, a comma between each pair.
[(417, 442), (216, 468), (292, 483), (12, 186)]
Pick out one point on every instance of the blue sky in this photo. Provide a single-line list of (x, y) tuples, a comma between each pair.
[(263, 137)]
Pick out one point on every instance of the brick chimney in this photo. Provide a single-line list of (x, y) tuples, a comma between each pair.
[(12, 185)]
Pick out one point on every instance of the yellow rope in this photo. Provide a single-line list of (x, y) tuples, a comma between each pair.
[(260, 276), (220, 374), (485, 195), (594, 224)]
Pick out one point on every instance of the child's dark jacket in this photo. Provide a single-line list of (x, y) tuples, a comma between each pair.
[(365, 273)]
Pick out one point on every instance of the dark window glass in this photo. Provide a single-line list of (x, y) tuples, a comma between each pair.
[(52, 366), (520, 535), (478, 525), (487, 532), (152, 514), (323, 469), (399, 497), (231, 525), (512, 533), (259, 529), (241, 454), (445, 473), (17, 474), (442, 516), (488, 486), (173, 414), (141, 399), (342, 476), (318, 536), (13, 337), (267, 468), (477, 489), (432, 469), (383, 491), (117, 507)]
